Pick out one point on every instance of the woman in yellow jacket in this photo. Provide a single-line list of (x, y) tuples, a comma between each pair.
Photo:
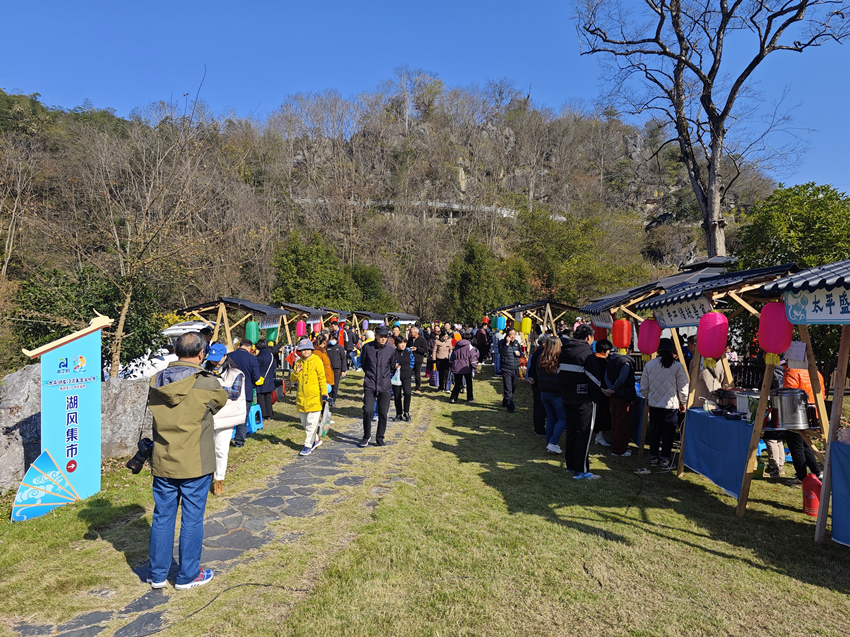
[(309, 373)]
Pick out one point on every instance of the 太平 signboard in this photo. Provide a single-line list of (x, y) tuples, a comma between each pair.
[(68, 468), (830, 307)]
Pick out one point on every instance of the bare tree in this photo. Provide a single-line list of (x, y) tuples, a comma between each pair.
[(678, 50), (21, 159)]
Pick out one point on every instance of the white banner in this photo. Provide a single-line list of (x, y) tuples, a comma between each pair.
[(819, 307), (268, 322), (684, 314), (604, 320)]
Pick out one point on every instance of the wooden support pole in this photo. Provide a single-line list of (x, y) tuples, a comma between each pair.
[(632, 314), (286, 327), (727, 371), (808, 440), (218, 315), (227, 332), (202, 318), (814, 378), (244, 318), (837, 402), (745, 305), (750, 467), (692, 392), (678, 345)]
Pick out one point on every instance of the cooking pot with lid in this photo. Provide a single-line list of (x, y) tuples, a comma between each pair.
[(726, 398), (791, 405)]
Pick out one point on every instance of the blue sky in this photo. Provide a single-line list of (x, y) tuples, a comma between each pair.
[(123, 55)]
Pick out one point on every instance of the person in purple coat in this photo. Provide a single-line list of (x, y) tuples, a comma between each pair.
[(464, 360)]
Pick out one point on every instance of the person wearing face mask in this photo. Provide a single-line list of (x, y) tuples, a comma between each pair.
[(339, 362)]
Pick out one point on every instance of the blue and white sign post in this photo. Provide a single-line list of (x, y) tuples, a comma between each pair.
[(68, 468)]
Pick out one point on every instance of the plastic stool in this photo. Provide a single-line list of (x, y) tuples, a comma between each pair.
[(254, 422)]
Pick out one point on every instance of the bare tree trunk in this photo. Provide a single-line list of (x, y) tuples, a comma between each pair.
[(10, 240), (119, 333)]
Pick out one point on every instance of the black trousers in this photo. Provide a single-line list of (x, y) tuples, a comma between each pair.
[(580, 418), (443, 366), (402, 392), (264, 400), (335, 388), (539, 414), (242, 430), (459, 381), (417, 371), (662, 431), (369, 398), (801, 455), (510, 378)]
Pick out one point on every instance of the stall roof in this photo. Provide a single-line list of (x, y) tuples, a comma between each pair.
[(715, 284), (236, 304), (342, 315), (619, 299), (823, 277), (543, 303), (370, 315), (303, 309), (504, 308), (401, 316)]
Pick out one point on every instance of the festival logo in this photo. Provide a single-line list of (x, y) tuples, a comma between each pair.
[(63, 366), (79, 364)]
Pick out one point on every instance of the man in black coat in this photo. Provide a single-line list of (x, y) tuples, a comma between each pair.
[(510, 352), (339, 361), (578, 373), (377, 360), (420, 349)]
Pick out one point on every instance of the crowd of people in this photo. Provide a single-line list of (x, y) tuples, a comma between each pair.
[(202, 402)]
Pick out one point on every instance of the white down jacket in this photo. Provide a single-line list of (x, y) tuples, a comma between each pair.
[(234, 412), (664, 387)]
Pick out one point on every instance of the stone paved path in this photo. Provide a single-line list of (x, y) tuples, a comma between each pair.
[(244, 524)]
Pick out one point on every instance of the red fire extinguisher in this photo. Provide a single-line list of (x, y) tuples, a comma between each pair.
[(811, 495)]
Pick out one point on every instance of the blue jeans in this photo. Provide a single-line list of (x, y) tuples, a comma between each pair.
[(497, 360), (168, 494), (556, 417), (355, 360)]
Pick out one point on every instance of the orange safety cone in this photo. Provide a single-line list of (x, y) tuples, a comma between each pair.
[(811, 495)]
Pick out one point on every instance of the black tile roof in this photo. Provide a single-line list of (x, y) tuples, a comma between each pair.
[(303, 308), (720, 283), (401, 316), (618, 299), (241, 304), (342, 315), (370, 315), (823, 277), (504, 308)]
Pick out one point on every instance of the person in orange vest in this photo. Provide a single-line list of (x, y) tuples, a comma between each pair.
[(802, 457)]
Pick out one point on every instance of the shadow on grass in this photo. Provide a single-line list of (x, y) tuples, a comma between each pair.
[(125, 527), (622, 504)]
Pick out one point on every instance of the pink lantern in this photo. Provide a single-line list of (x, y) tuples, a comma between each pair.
[(317, 327), (649, 336), (775, 332), (712, 333), (300, 329)]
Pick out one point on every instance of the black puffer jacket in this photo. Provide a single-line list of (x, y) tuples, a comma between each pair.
[(509, 353), (338, 358), (378, 363), (578, 373)]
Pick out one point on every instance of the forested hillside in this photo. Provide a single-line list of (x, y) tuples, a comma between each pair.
[(398, 198)]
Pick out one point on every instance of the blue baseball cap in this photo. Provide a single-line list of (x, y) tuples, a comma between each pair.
[(217, 352)]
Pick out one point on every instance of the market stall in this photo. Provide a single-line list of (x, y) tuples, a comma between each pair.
[(262, 317), (696, 305), (363, 320), (544, 312), (303, 319), (821, 296), (401, 318)]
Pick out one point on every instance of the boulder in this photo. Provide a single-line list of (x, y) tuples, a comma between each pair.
[(125, 416)]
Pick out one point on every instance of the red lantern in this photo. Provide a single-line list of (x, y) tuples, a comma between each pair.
[(621, 333), (712, 333), (649, 336), (599, 333), (486, 320), (775, 332)]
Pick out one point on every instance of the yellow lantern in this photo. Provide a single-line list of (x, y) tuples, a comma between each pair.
[(526, 326)]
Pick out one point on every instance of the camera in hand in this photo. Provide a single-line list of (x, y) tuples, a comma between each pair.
[(145, 451)]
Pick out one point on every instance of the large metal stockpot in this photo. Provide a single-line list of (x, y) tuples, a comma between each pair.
[(791, 405)]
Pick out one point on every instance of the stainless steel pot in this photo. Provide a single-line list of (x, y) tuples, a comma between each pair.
[(791, 406), (726, 398)]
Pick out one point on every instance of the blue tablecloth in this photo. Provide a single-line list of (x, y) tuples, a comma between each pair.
[(716, 448), (840, 471)]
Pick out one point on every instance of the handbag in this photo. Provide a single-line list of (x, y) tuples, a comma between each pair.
[(396, 380)]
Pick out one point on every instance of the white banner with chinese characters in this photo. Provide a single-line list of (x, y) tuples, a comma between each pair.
[(684, 314), (831, 307)]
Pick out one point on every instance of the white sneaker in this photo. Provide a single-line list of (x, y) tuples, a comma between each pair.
[(552, 448), (600, 440), (625, 454)]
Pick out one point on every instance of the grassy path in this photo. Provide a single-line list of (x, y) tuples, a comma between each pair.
[(462, 526)]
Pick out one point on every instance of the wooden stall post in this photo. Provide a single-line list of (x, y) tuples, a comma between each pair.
[(754, 440), (221, 311), (692, 391), (837, 402), (677, 343), (820, 403)]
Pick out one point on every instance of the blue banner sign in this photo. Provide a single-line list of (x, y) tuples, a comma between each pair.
[(825, 307), (70, 411)]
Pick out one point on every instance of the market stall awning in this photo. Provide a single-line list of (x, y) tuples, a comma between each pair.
[(233, 303), (737, 282), (341, 315), (503, 308), (823, 277), (401, 317), (372, 316), (536, 305)]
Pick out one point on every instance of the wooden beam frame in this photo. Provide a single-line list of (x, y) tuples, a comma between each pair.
[(678, 345), (632, 314), (814, 378), (744, 304), (750, 467), (837, 402)]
